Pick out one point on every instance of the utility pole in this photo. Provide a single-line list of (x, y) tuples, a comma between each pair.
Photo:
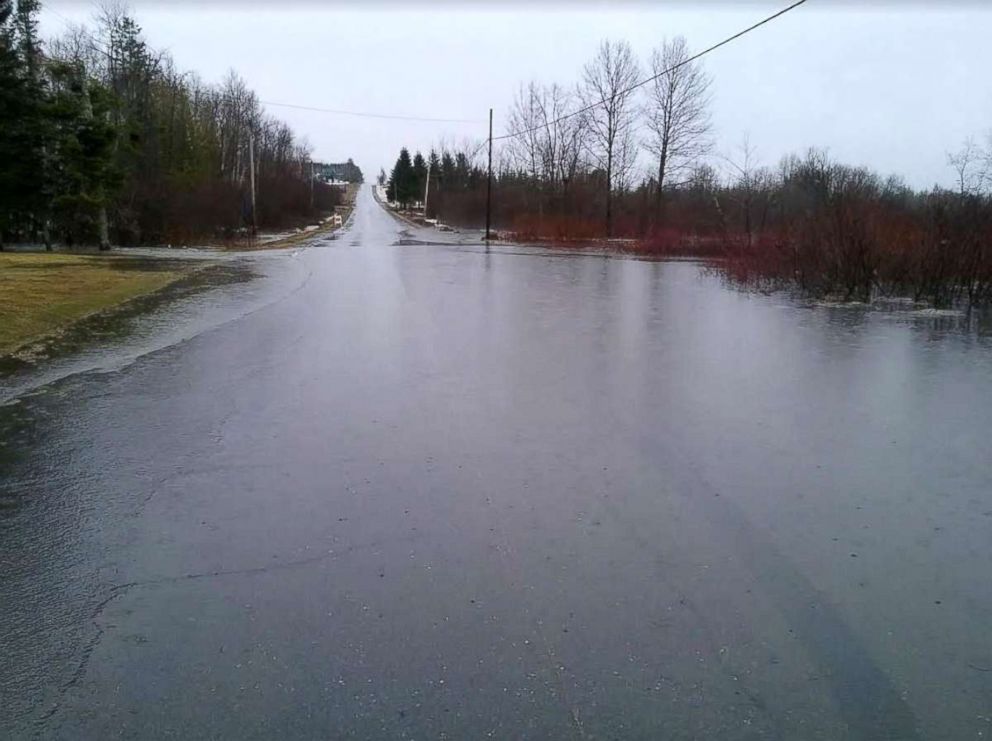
[(427, 187), (489, 178), (251, 175), (311, 185)]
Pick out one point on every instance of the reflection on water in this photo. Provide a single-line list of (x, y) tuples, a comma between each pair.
[(444, 490)]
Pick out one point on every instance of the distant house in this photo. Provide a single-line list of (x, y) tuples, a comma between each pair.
[(338, 173)]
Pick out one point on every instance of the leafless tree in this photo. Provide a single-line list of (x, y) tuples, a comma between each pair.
[(75, 47), (677, 112), (972, 166), (525, 124), (750, 188), (547, 144), (606, 88), (624, 161), (987, 161), (239, 114), (968, 163)]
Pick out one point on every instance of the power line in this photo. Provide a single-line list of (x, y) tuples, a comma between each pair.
[(644, 82), (52, 10), (95, 45), (91, 40), (429, 119), (477, 150), (364, 114)]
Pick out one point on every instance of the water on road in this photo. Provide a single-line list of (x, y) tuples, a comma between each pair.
[(402, 490)]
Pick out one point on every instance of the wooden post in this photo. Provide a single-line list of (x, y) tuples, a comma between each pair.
[(489, 179), (251, 176), (427, 188)]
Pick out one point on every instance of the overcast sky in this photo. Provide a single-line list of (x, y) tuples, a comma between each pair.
[(890, 85)]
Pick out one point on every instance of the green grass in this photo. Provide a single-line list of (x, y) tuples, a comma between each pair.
[(42, 293)]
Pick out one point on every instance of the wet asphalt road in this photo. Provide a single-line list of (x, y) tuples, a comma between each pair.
[(433, 492)]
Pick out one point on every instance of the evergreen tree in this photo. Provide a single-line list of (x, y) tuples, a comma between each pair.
[(118, 138), (446, 177), (21, 114), (402, 182), (434, 175), (130, 74), (419, 176), (10, 88), (84, 173), (34, 182)]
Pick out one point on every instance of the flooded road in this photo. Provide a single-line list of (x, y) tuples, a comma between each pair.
[(426, 491)]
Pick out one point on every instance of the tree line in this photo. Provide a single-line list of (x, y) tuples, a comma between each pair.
[(573, 167), (446, 177), (104, 140), (558, 165)]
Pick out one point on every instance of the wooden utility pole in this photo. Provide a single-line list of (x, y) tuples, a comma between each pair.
[(427, 188), (251, 176), (489, 178)]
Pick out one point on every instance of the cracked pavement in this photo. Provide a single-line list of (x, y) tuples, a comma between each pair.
[(429, 490)]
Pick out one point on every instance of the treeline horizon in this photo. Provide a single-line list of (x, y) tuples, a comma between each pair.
[(810, 222), (104, 141), (453, 179)]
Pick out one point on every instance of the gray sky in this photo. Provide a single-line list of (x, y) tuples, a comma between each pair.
[(893, 85)]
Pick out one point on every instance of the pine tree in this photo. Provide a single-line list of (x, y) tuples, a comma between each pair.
[(34, 182), (10, 88), (434, 175), (130, 72), (88, 140), (419, 176), (21, 111), (84, 171), (402, 182)]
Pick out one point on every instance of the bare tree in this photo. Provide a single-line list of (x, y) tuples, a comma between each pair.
[(624, 161), (968, 163), (751, 188), (546, 144), (75, 47), (562, 137), (987, 162), (239, 118), (524, 126), (606, 89), (677, 112)]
